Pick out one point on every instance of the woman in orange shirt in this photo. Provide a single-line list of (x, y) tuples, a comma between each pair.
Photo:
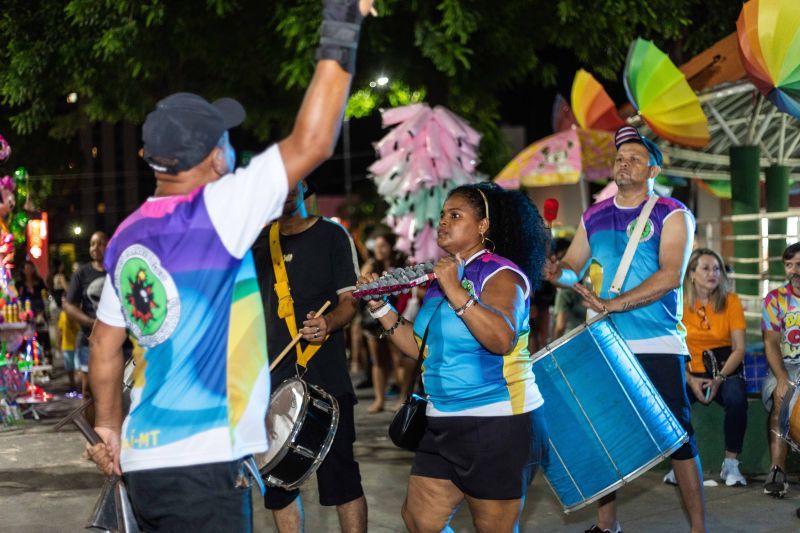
[(715, 333)]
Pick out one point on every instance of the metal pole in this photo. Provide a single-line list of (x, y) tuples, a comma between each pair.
[(348, 175)]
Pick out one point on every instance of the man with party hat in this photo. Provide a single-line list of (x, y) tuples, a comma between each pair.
[(647, 307)]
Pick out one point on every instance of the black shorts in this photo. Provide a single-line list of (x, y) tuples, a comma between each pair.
[(486, 457), (667, 372), (338, 477), (193, 498)]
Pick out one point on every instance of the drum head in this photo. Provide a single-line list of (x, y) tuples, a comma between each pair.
[(285, 407)]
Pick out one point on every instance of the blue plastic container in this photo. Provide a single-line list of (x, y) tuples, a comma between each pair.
[(755, 367)]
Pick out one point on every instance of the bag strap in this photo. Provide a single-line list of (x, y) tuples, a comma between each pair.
[(418, 365), (285, 301), (630, 249)]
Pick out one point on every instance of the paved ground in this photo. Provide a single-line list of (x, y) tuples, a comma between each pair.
[(46, 487)]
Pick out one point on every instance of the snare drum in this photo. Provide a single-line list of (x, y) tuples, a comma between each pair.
[(789, 422), (606, 421), (301, 423)]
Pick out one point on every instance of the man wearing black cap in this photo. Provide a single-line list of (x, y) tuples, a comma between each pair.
[(181, 278), (320, 264), (647, 306)]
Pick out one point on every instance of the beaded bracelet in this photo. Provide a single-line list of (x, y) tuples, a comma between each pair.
[(461, 310), (390, 331)]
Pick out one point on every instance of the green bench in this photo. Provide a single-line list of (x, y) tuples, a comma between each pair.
[(707, 422)]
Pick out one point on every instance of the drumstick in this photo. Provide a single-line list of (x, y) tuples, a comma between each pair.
[(296, 338)]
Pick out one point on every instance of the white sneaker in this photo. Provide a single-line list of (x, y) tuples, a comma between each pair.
[(730, 474), (669, 479)]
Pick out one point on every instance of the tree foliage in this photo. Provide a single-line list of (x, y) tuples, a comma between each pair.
[(121, 56)]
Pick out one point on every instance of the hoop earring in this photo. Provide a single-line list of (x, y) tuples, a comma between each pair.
[(490, 241)]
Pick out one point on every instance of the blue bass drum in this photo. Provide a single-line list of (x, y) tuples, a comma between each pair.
[(606, 421)]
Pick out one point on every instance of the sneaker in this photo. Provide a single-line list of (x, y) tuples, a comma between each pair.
[(776, 484), (596, 529), (730, 474), (669, 479)]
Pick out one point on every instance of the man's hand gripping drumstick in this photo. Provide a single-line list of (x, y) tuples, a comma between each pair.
[(296, 338)]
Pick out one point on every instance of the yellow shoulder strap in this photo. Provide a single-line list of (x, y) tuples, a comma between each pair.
[(285, 302)]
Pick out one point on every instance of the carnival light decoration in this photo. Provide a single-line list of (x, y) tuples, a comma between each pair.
[(5, 149), (661, 95), (769, 46), (591, 105), (428, 153)]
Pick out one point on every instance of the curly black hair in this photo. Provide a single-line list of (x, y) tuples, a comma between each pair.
[(515, 226)]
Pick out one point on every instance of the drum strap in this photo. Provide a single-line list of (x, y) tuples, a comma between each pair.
[(633, 242), (285, 301)]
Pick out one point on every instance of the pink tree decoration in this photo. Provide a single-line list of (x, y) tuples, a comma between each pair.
[(428, 153)]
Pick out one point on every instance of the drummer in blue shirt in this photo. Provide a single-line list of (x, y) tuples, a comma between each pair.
[(648, 308)]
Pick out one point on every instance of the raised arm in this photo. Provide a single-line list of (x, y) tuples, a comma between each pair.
[(316, 127)]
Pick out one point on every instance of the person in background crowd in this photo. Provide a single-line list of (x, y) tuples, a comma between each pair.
[(66, 333), (540, 316), (59, 284), (82, 299), (715, 327), (33, 289), (568, 308), (780, 326), (383, 354)]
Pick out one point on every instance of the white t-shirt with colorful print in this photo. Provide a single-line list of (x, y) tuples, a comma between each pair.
[(181, 278), (781, 313)]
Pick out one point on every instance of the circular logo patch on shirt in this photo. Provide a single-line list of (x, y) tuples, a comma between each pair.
[(647, 233), (148, 295)]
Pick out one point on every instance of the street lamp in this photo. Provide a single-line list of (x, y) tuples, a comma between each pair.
[(380, 81), (77, 230)]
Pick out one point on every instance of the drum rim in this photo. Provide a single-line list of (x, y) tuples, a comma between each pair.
[(549, 347), (324, 449), (295, 427), (326, 446), (786, 413), (624, 480)]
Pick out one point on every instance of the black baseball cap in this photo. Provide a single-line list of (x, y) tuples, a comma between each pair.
[(184, 128)]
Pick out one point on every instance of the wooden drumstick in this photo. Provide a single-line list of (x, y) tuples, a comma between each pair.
[(296, 338)]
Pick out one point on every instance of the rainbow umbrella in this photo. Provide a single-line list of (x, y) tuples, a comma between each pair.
[(592, 106), (769, 45), (662, 96), (560, 159)]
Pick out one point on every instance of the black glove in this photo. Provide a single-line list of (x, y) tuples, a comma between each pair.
[(339, 33)]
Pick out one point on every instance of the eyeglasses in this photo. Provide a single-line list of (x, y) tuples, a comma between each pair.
[(701, 311)]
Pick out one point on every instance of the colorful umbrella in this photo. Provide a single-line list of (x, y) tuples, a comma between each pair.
[(662, 96), (560, 159), (769, 45), (592, 106)]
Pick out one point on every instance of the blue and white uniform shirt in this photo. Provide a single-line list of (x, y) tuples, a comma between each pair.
[(654, 328), (461, 377)]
